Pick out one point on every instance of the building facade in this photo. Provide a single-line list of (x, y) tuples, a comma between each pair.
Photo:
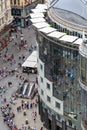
[(5, 21), (62, 57), (20, 10), (83, 83)]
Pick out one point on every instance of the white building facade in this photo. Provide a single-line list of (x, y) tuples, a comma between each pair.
[(5, 21)]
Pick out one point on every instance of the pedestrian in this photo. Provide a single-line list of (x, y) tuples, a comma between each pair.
[(5, 99), (41, 128), (36, 79), (30, 105), (23, 127), (16, 35), (35, 114), (15, 43), (34, 119)]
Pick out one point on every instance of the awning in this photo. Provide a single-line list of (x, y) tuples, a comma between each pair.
[(38, 10), (32, 58), (34, 53), (37, 20), (56, 34), (36, 15), (68, 38), (41, 25), (30, 64), (47, 29), (31, 61), (43, 6), (78, 41)]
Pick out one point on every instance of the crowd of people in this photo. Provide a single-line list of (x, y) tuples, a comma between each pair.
[(9, 60)]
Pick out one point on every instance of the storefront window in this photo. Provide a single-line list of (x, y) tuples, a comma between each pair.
[(83, 74), (82, 62)]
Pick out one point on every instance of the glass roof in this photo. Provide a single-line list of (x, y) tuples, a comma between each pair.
[(78, 7)]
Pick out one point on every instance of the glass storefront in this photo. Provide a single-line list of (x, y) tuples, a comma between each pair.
[(62, 68), (83, 72), (84, 104)]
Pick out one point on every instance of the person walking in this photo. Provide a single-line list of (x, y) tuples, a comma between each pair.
[(41, 128)]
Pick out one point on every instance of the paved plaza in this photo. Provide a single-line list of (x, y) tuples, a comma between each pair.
[(6, 66)]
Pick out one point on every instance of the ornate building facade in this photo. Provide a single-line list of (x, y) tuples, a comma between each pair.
[(5, 21), (62, 59)]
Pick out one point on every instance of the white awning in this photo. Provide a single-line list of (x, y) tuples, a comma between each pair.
[(78, 41), (37, 20), (32, 58), (43, 6), (47, 30), (36, 15), (41, 25), (31, 61), (38, 10), (34, 53), (30, 64), (56, 34), (68, 38)]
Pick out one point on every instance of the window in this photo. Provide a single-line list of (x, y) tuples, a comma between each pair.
[(42, 92), (41, 67), (48, 99), (70, 122), (41, 79), (48, 86), (57, 105)]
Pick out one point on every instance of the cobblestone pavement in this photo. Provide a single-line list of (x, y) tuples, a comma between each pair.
[(29, 36)]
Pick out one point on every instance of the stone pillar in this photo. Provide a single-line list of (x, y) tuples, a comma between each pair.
[(53, 123)]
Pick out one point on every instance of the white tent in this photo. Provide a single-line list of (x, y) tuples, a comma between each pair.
[(30, 64), (31, 61)]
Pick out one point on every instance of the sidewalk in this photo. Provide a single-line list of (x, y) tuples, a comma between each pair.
[(29, 36), (20, 119)]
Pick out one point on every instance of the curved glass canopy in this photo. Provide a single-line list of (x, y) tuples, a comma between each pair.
[(78, 7)]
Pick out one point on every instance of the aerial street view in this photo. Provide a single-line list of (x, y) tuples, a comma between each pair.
[(43, 62)]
